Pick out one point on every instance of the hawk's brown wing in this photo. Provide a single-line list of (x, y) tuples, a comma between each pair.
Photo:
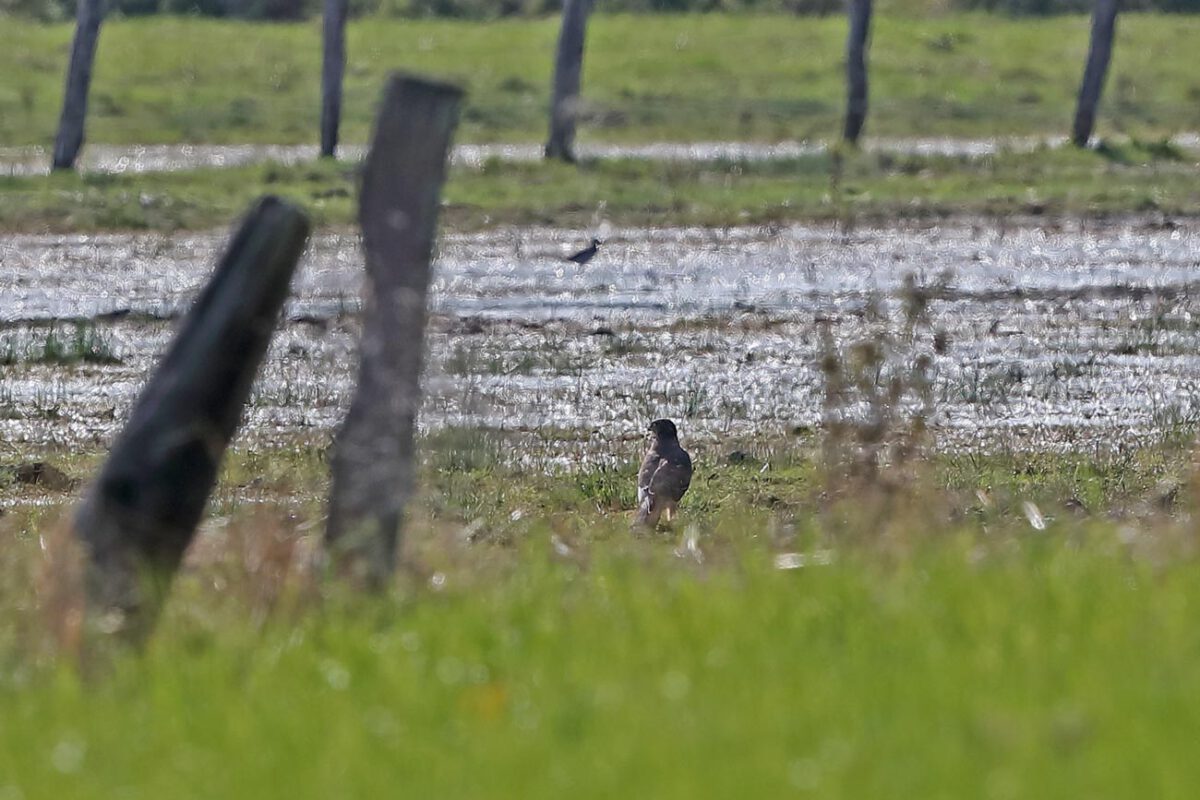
[(672, 476), (664, 477)]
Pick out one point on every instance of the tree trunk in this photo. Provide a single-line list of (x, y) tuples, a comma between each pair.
[(139, 516), (856, 69), (398, 209), (1104, 26), (332, 70), (67, 144), (568, 69)]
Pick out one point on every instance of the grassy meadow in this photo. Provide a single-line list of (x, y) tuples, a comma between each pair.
[(1133, 178), (646, 77), (928, 641), (944, 624)]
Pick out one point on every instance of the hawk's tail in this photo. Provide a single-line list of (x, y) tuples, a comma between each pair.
[(647, 514)]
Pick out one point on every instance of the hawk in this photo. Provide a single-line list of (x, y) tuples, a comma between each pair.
[(585, 255), (665, 475)]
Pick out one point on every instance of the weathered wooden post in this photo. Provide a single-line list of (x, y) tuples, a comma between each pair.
[(398, 209), (69, 140), (1104, 26), (332, 69), (139, 516), (856, 69), (568, 71)]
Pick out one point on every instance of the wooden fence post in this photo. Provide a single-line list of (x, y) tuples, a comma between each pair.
[(398, 209), (69, 140), (1104, 25), (332, 69), (140, 514), (856, 69), (568, 70)]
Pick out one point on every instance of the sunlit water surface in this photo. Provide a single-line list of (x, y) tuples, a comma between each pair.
[(15, 161), (1060, 338)]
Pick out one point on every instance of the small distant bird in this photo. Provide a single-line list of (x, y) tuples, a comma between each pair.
[(664, 477), (585, 255)]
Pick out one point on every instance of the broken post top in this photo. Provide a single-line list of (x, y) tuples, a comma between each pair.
[(406, 165), (403, 174), (190, 408), (437, 90)]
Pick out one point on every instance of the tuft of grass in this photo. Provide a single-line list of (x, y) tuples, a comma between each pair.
[(463, 450), (83, 344), (1136, 151)]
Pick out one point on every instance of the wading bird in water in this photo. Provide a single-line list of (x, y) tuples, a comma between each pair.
[(585, 255), (664, 477)]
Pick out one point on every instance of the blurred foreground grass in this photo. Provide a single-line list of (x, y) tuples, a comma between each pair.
[(930, 640)]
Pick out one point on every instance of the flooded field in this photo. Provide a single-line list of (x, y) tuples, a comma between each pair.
[(1058, 338), (166, 158)]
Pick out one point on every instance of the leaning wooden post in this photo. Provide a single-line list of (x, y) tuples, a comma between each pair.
[(332, 70), (398, 209), (1104, 26), (856, 69), (139, 516), (568, 71), (69, 140)]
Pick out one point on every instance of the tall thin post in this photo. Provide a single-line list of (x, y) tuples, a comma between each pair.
[(1104, 26), (332, 70), (140, 514), (856, 69), (398, 210), (568, 71), (69, 140)]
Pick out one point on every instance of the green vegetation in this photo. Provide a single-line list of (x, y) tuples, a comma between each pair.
[(844, 613), (495, 9), (83, 345), (1120, 178), (671, 78), (933, 643)]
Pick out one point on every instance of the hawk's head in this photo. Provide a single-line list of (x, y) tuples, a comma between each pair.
[(664, 429)]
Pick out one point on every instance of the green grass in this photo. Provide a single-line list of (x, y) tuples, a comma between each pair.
[(538, 650), (83, 344), (647, 77), (941, 661), (949, 650), (1047, 668), (1122, 178)]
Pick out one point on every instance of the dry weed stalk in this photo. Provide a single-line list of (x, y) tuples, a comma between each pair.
[(264, 562), (58, 593), (878, 402)]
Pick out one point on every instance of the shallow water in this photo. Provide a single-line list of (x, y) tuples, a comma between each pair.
[(164, 158), (1055, 338)]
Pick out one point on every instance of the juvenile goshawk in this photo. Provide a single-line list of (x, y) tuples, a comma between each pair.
[(664, 477)]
